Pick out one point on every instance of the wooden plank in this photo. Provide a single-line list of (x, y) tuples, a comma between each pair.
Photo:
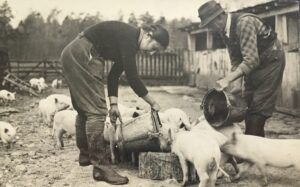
[(151, 65), (163, 66), (159, 62), (38, 64), (146, 65), (142, 64), (288, 111)]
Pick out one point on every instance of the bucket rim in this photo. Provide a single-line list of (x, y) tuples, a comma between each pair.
[(228, 105)]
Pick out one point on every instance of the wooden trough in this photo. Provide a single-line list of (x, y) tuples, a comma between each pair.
[(161, 166)]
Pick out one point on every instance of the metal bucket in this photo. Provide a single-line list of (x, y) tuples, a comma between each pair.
[(136, 135), (221, 108)]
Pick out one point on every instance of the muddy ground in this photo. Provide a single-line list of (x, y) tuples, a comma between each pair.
[(33, 161)]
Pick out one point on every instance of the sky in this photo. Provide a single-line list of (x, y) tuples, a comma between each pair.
[(110, 9)]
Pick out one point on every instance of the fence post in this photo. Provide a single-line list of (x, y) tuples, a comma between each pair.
[(18, 68), (45, 69)]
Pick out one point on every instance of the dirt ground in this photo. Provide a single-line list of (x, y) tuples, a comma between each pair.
[(33, 161)]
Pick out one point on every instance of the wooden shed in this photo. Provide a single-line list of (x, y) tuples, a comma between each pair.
[(208, 58)]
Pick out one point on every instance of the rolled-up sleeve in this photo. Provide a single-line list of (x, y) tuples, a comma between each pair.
[(247, 33)]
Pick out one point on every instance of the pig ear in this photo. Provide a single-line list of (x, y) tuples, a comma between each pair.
[(14, 93), (6, 130)]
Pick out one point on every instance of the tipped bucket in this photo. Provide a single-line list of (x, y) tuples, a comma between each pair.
[(221, 108)]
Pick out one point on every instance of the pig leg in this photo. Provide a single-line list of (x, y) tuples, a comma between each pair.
[(224, 158), (59, 141), (242, 169), (212, 178), (204, 178), (112, 153), (184, 168), (262, 170), (233, 162), (48, 120), (193, 172)]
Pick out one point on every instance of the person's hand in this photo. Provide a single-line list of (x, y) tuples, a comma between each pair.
[(114, 114), (155, 106), (222, 84)]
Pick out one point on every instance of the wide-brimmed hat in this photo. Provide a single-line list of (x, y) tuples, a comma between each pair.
[(208, 12)]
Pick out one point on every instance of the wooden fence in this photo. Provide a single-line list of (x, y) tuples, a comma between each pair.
[(164, 68)]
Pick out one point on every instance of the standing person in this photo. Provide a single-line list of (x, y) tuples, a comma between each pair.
[(83, 65), (255, 54)]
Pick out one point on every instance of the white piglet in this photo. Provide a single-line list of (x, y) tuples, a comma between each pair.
[(7, 96), (176, 116), (199, 148), (34, 82), (7, 133), (56, 83), (61, 98), (39, 84), (110, 136), (222, 134), (48, 107), (63, 122), (259, 151)]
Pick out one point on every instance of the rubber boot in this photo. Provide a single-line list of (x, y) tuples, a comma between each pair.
[(255, 124), (81, 141), (109, 175)]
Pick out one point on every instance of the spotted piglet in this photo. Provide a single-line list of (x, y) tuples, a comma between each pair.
[(199, 148), (7, 133), (6, 96)]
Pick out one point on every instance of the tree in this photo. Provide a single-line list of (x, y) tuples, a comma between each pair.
[(146, 19), (132, 20), (178, 39), (162, 21), (6, 30)]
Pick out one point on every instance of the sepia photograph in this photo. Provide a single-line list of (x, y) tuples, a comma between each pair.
[(157, 93)]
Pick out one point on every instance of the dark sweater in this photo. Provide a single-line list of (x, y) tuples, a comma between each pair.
[(118, 42)]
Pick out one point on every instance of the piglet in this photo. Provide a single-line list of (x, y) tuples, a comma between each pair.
[(199, 148), (62, 99), (177, 117), (7, 96), (63, 122), (56, 83), (110, 136), (259, 151), (48, 107), (7, 133), (221, 135)]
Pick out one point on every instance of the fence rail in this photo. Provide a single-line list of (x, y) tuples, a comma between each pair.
[(166, 67)]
